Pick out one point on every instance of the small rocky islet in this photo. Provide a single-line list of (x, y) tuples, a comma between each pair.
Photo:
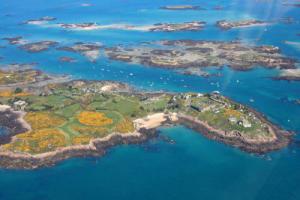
[(227, 25), (39, 21), (180, 7), (289, 75), (31, 47)]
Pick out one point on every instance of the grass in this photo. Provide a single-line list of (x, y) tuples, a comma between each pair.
[(69, 111)]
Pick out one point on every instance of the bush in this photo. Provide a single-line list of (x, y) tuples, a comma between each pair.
[(41, 120), (93, 119), (18, 90)]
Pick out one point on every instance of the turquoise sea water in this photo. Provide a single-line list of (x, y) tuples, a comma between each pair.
[(194, 167)]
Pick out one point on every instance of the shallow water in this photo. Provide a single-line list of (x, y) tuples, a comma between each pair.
[(194, 167)]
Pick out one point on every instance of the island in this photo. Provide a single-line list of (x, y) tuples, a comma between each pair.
[(226, 25), (186, 54), (52, 122), (181, 7)]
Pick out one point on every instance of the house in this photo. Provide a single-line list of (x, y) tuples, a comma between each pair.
[(245, 123), (187, 96), (232, 120), (196, 108), (19, 105)]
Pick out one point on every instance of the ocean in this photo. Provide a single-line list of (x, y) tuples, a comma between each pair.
[(194, 167)]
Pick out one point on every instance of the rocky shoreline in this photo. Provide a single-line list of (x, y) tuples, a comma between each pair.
[(247, 129), (283, 138), (13, 122), (99, 146)]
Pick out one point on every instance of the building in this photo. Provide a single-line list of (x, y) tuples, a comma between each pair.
[(20, 105), (196, 108), (232, 120), (245, 123)]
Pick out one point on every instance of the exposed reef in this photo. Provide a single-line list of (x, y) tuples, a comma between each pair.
[(89, 50), (81, 26), (181, 54), (163, 27), (39, 21), (186, 26), (32, 47), (36, 47), (15, 40), (67, 59)]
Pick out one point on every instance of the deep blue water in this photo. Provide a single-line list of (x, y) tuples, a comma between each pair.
[(3, 131), (194, 167)]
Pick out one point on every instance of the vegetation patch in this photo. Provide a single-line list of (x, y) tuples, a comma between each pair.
[(41, 120), (81, 139), (94, 119), (125, 126), (10, 93), (38, 141)]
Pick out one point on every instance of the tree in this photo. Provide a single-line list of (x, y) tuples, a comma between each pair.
[(18, 90)]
